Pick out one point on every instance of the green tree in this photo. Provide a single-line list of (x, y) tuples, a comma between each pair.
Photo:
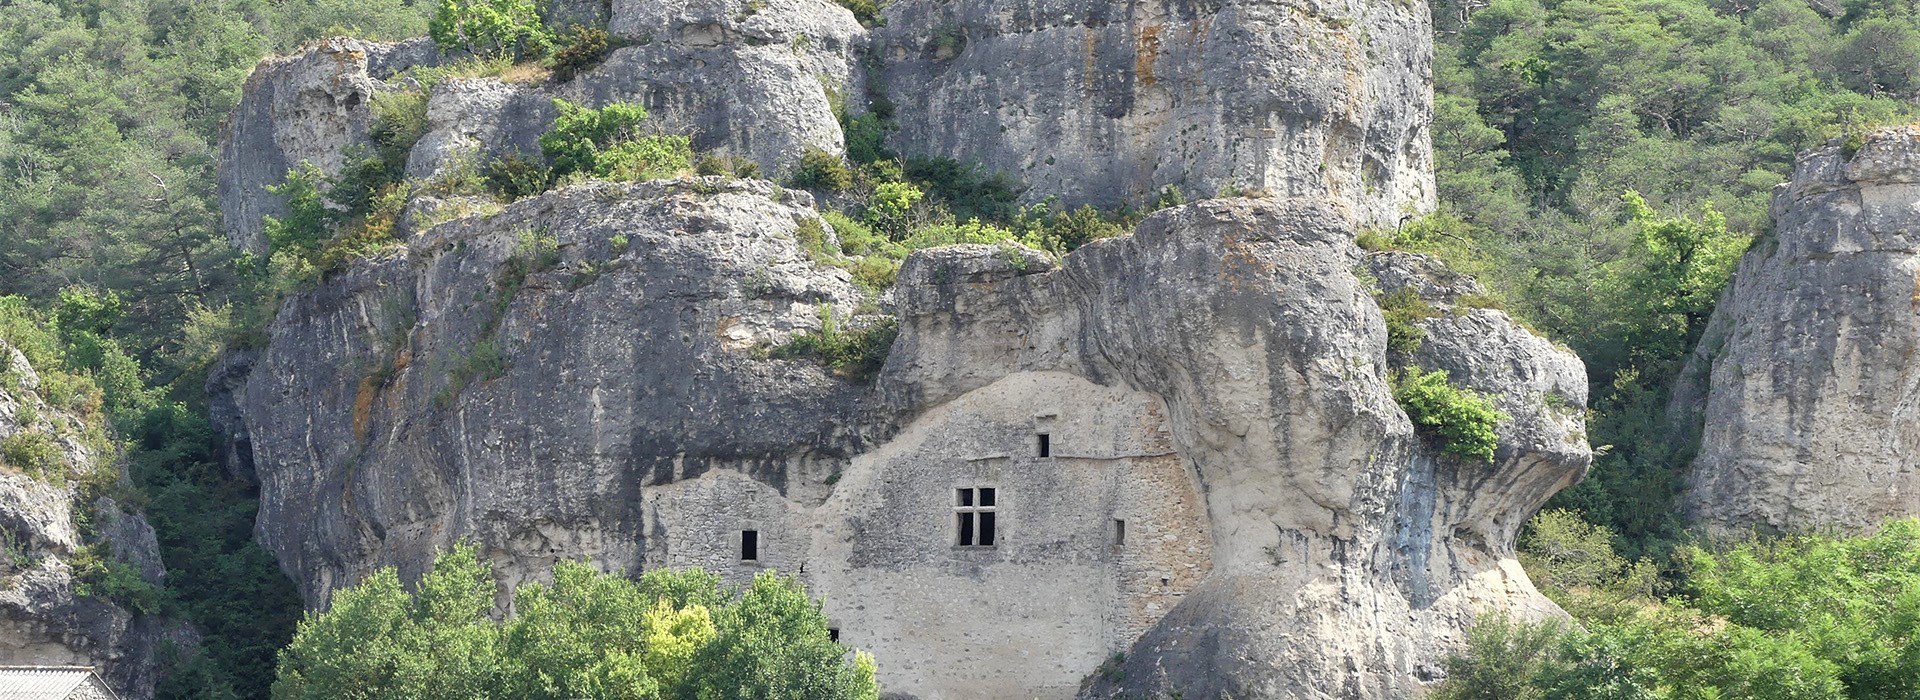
[(670, 634), (490, 28), (1462, 419)]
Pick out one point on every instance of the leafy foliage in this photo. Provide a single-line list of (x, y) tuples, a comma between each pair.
[(1548, 111), (490, 28), (609, 142), (218, 579), (1786, 618), (580, 48), (1404, 309), (857, 353), (670, 634), (820, 170), (1462, 419)]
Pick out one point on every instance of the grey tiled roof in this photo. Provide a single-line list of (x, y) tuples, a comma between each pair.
[(44, 682)]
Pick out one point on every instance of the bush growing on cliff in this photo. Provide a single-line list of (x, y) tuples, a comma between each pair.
[(1462, 419), (820, 170), (579, 49), (34, 453), (857, 352), (610, 142), (490, 28), (587, 635)]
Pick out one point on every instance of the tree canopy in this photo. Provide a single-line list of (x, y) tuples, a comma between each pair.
[(667, 634)]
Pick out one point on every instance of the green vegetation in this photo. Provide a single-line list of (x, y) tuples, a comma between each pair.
[(490, 28), (1463, 420), (857, 353), (218, 579), (1548, 111), (581, 48), (667, 634), (867, 11), (34, 453), (881, 208), (610, 143), (1805, 616), (1404, 309)]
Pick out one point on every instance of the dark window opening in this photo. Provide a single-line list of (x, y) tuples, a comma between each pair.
[(1119, 531), (973, 517), (749, 545), (833, 633), (1046, 445)]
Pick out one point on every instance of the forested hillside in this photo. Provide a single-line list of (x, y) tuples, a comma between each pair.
[(1548, 115), (109, 233), (1601, 166)]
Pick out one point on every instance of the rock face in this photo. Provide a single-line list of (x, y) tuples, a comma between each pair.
[(1222, 456), (309, 107), (1106, 103), (749, 78), (1085, 101), (43, 619), (1807, 399), (1170, 463)]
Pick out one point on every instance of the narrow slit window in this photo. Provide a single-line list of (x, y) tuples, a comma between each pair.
[(1045, 445), (749, 545), (1119, 531), (973, 517)]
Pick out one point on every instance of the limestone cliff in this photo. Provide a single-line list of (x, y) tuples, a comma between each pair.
[(1215, 382), (44, 620), (1085, 101), (1804, 378), (1111, 102), (1170, 462)]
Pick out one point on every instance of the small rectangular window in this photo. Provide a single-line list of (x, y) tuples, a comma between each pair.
[(1046, 445), (833, 633), (973, 520), (1119, 531), (749, 545)]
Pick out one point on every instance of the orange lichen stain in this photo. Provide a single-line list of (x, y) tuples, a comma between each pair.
[(1146, 51), (363, 406), (1087, 74)]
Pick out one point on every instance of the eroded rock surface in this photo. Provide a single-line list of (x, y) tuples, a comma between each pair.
[(43, 619), (1229, 495), (747, 78), (1804, 377), (1111, 102), (309, 107)]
